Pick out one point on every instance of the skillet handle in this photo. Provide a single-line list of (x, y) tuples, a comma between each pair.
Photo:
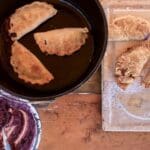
[(41, 104)]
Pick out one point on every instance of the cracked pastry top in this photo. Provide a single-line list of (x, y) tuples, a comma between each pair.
[(129, 27), (130, 64)]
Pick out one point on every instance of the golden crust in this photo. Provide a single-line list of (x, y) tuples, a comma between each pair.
[(27, 66), (147, 80), (61, 42), (29, 17), (129, 28), (130, 64)]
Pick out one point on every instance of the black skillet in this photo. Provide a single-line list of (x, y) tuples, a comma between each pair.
[(69, 71)]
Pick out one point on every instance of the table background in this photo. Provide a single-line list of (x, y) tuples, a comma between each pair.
[(74, 122)]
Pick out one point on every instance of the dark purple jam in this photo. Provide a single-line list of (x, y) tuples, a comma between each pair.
[(18, 123)]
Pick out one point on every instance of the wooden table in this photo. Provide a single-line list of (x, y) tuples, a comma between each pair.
[(73, 122)]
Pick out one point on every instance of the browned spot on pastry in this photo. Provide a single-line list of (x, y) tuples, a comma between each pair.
[(13, 35)]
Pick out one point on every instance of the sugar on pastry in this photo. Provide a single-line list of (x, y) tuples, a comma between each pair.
[(128, 27), (130, 64)]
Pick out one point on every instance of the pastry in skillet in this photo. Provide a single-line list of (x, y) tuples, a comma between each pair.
[(27, 66), (28, 17), (130, 64), (147, 81), (129, 28), (61, 42)]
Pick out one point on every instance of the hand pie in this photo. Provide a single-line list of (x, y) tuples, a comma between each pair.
[(129, 28), (27, 66), (28, 17), (61, 42), (130, 64), (147, 80)]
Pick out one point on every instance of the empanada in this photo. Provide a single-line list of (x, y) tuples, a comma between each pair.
[(130, 64), (27, 66), (29, 17), (147, 80), (129, 28), (61, 42)]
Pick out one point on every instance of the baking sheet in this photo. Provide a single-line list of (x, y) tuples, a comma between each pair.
[(127, 110), (125, 3), (124, 110)]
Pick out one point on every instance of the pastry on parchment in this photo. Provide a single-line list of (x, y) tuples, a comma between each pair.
[(61, 42), (147, 80), (129, 28), (27, 18), (130, 64), (28, 66)]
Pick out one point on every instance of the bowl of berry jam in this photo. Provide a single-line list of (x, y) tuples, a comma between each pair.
[(20, 122)]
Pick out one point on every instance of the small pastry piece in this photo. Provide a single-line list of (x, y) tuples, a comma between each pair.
[(61, 42), (28, 17), (130, 64), (129, 28), (147, 81), (28, 67)]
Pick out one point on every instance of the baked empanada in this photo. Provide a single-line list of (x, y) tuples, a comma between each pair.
[(27, 66), (147, 80), (61, 42), (29, 17), (130, 64), (129, 28)]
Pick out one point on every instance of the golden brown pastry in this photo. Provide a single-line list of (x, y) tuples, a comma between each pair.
[(147, 80), (61, 42), (129, 28), (27, 66), (130, 64), (29, 17)]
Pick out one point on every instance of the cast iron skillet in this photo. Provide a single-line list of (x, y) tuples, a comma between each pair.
[(69, 71)]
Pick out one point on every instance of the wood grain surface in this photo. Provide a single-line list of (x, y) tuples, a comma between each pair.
[(74, 122)]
